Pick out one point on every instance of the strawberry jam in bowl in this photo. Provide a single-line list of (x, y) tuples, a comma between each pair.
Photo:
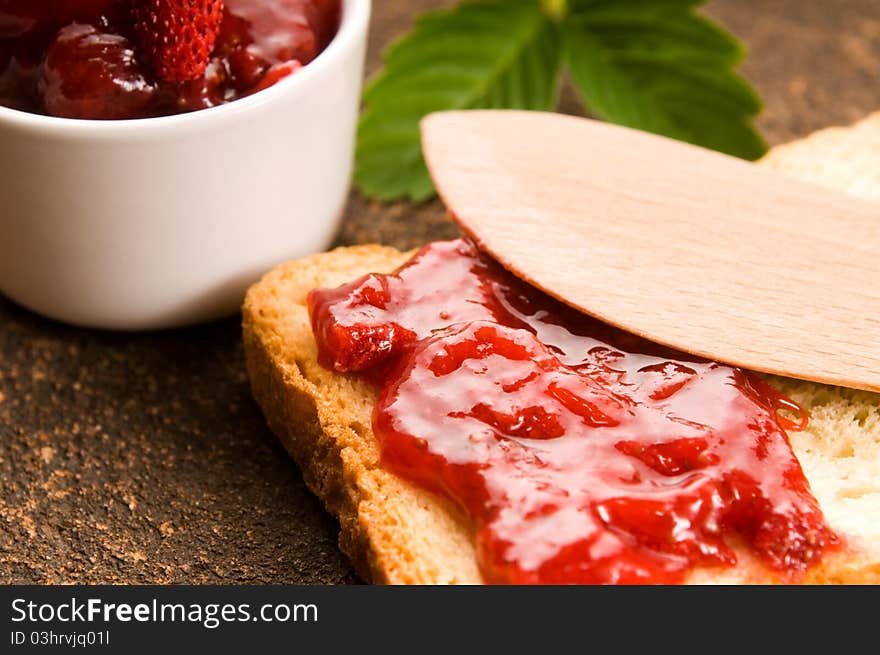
[(118, 59), (166, 152)]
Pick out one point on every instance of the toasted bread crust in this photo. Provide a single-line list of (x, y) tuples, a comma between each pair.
[(396, 533), (292, 415), (393, 532)]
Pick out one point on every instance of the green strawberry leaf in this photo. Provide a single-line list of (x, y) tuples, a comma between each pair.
[(653, 65), (657, 66), (481, 54)]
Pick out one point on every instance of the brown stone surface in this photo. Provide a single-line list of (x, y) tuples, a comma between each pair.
[(142, 458)]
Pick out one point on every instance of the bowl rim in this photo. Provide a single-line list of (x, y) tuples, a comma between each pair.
[(354, 20)]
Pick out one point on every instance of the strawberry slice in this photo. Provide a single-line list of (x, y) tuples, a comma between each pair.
[(177, 36)]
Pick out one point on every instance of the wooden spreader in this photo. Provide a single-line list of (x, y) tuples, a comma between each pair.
[(690, 248)]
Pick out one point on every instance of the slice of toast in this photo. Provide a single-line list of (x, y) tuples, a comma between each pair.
[(397, 533)]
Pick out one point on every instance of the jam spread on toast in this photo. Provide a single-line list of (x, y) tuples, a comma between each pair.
[(581, 453)]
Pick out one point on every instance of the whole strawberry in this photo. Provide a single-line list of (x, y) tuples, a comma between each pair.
[(176, 37)]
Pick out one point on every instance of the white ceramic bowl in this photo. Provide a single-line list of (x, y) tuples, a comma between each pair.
[(161, 222)]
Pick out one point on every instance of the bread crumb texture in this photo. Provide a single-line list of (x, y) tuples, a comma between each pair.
[(397, 533)]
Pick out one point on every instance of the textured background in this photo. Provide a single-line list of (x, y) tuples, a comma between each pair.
[(142, 458)]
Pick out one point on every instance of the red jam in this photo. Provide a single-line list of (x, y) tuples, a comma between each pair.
[(582, 454), (78, 58)]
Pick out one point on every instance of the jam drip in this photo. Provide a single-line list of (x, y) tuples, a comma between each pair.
[(583, 454)]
